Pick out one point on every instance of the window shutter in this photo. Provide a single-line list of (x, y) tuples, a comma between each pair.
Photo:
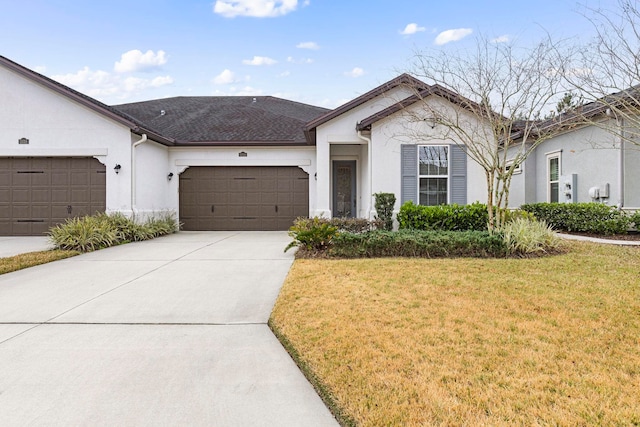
[(458, 175), (409, 171)]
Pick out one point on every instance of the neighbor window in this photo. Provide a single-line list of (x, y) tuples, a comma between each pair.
[(516, 170), (433, 174), (553, 175)]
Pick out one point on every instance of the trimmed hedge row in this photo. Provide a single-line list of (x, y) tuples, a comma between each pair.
[(595, 218), (443, 217), (414, 243)]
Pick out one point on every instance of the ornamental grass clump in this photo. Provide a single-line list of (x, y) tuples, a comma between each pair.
[(90, 233), (524, 236)]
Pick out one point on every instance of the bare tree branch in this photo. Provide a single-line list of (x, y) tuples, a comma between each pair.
[(494, 96)]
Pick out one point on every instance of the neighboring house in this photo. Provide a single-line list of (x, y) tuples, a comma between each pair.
[(585, 163), (247, 163)]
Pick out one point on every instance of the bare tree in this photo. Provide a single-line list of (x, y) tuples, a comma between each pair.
[(607, 71), (496, 95)]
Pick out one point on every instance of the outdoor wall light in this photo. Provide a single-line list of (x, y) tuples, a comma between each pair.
[(117, 168), (170, 176), (23, 141)]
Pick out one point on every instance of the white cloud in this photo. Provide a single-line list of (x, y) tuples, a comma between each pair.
[(412, 29), (356, 72), (308, 45), (452, 35), (254, 8), (239, 91), (501, 39), (299, 61), (225, 77), (135, 60), (40, 69), (259, 60), (285, 74), (100, 84)]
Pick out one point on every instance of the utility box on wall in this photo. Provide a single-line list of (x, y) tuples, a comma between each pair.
[(568, 188)]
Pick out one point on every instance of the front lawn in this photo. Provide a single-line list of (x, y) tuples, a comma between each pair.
[(399, 341), (31, 259)]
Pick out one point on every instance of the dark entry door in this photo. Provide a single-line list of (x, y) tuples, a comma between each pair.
[(344, 188)]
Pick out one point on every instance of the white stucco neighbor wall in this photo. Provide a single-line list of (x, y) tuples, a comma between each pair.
[(180, 158), (589, 152), (58, 126)]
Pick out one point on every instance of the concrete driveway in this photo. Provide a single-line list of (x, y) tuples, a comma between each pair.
[(167, 332)]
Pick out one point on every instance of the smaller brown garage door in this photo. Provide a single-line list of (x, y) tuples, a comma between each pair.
[(37, 193), (242, 198)]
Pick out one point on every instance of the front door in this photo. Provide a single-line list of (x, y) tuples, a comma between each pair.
[(344, 188)]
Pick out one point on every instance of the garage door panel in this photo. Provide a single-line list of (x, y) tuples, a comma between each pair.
[(40, 195), (20, 195), (20, 178), (60, 179), (40, 189), (5, 177), (98, 197), (98, 179), (245, 198), (80, 178), (268, 198), (40, 211)]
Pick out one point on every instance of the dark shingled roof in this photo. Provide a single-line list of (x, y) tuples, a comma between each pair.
[(226, 120)]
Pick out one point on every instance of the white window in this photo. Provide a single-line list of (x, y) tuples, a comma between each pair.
[(433, 174), (509, 165), (553, 177)]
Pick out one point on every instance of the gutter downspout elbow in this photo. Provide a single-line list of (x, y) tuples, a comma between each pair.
[(143, 138), (370, 161)]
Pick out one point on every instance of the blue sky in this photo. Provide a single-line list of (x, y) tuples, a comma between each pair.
[(321, 52)]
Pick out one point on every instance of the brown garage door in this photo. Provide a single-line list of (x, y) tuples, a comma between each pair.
[(242, 198), (37, 193)]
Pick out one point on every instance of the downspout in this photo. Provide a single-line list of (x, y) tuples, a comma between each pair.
[(621, 167), (143, 138), (370, 160)]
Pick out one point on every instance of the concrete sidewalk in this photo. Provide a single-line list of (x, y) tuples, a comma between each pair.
[(160, 333), (16, 245)]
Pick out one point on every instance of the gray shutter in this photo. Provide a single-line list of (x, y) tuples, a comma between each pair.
[(458, 175), (409, 172)]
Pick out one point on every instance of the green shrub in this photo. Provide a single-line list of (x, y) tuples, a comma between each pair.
[(635, 219), (512, 215), (525, 237), (443, 217), (595, 218), (100, 231), (312, 234), (416, 243), (384, 207)]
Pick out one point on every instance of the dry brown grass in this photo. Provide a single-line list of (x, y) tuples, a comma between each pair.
[(30, 259), (412, 342)]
